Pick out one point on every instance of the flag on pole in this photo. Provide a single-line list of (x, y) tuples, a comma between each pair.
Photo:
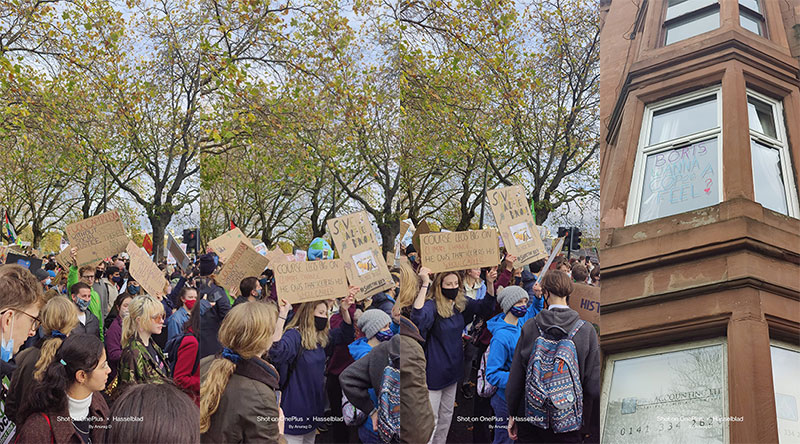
[(147, 243), (232, 225), (10, 230)]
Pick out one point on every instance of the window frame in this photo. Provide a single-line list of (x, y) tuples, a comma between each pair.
[(781, 144), (643, 149), (610, 360), (686, 17), (785, 346), (758, 15)]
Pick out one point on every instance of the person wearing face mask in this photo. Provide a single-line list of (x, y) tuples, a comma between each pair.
[(413, 257), (239, 387), (188, 297), (375, 326), (43, 277), (556, 322), (214, 305), (300, 355), (66, 406), (441, 319), (505, 328), (20, 301), (113, 339), (186, 361), (86, 275), (88, 323), (250, 290)]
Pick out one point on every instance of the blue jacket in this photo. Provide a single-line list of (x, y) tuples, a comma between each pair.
[(175, 323), (358, 349), (501, 348), (444, 349), (304, 396)]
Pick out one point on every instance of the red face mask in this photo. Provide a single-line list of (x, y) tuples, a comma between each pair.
[(190, 303)]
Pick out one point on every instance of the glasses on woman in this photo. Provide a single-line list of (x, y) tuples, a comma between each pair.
[(158, 317)]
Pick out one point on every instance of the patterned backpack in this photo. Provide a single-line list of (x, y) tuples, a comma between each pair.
[(389, 405), (485, 388), (553, 392)]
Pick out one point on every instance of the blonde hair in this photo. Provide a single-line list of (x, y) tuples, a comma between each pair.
[(304, 321), (142, 307), (409, 289), (58, 314), (443, 306), (247, 330)]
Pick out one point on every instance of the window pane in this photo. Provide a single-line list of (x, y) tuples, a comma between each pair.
[(787, 391), (692, 27), (667, 398), (752, 4), (750, 22), (767, 178), (677, 8), (760, 116), (688, 118), (680, 180)]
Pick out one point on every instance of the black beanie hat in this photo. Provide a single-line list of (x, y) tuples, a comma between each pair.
[(207, 264), (410, 249)]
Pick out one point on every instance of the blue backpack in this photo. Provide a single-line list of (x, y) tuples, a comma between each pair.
[(553, 392), (389, 405)]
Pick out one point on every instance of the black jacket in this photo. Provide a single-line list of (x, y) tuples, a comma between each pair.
[(92, 326), (214, 306), (588, 348)]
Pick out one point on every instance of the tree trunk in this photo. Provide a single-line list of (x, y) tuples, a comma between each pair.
[(389, 229), (159, 224), (37, 234)]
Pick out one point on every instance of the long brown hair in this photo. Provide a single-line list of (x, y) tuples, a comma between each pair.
[(304, 321), (247, 330), (443, 306)]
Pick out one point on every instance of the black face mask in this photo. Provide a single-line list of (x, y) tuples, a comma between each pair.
[(320, 323), (450, 293), (98, 274)]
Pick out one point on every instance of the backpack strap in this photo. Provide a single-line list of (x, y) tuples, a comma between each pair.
[(52, 435), (541, 333), (577, 326)]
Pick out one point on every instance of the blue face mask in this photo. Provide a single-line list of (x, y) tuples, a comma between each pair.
[(133, 290), (47, 282), (82, 305), (384, 335), (519, 311), (7, 348), (263, 282)]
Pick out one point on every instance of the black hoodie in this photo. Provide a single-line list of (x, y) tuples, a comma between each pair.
[(588, 348)]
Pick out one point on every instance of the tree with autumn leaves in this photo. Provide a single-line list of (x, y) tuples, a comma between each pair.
[(281, 115)]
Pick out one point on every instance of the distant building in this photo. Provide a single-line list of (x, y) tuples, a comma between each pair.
[(700, 228)]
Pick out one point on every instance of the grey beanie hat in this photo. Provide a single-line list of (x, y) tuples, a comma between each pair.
[(509, 296), (372, 321)]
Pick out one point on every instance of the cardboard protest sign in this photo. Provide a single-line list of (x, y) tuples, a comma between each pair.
[(32, 263), (181, 259), (515, 221), (423, 228), (63, 258), (97, 238), (451, 251), (145, 272), (225, 244), (358, 247), (310, 281), (585, 299), (390, 259), (243, 262)]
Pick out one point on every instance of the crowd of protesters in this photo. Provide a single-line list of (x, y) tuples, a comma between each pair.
[(243, 365)]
